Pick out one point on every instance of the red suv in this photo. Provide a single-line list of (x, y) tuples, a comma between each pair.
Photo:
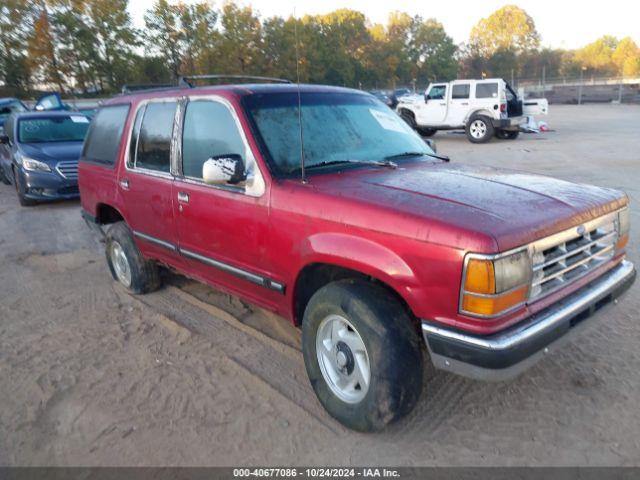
[(322, 205)]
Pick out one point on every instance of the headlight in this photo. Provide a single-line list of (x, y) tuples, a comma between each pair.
[(34, 165), (623, 226), (493, 285)]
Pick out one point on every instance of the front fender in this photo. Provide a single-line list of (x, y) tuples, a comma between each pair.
[(360, 254)]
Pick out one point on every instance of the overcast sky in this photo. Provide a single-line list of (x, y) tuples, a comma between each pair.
[(561, 23)]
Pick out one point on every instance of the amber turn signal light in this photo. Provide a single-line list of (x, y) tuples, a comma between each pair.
[(489, 306), (622, 242), (481, 277)]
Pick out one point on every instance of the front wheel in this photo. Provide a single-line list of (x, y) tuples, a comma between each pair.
[(126, 262), (427, 132), (479, 129), (362, 354)]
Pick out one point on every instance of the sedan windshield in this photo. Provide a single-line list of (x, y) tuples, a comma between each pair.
[(71, 128), (338, 128)]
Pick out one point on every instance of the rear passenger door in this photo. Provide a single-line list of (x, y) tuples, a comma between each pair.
[(146, 182), (458, 104), (223, 229)]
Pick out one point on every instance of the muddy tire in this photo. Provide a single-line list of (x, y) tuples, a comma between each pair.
[(507, 134), (126, 263), (362, 354), (21, 192), (479, 129)]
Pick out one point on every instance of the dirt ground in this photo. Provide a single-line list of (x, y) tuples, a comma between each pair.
[(90, 375)]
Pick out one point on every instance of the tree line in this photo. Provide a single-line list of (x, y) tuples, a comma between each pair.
[(92, 47)]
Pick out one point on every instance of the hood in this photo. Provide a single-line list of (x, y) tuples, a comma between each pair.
[(512, 207), (52, 152)]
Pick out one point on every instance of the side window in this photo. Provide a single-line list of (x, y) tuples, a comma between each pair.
[(209, 131), (486, 90), (460, 91), (437, 92), (154, 141), (103, 139)]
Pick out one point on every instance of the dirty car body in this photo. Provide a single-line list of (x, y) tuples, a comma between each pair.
[(492, 267)]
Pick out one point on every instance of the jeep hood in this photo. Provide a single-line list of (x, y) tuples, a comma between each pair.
[(512, 207)]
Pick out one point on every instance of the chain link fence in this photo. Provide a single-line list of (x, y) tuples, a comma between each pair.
[(582, 89)]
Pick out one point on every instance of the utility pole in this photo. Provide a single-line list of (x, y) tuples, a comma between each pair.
[(582, 69)]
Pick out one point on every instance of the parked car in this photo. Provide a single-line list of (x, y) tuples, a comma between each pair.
[(9, 106), (39, 154), (359, 235), (387, 97), (483, 108)]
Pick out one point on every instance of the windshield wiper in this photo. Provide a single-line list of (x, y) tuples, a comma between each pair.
[(377, 163), (418, 154)]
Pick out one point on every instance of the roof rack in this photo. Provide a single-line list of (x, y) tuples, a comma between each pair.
[(130, 88), (185, 81)]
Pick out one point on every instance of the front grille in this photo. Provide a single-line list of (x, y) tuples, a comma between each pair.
[(563, 258), (68, 169)]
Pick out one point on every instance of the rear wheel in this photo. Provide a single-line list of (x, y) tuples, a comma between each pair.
[(479, 129), (362, 354), (507, 134), (127, 264), (21, 190)]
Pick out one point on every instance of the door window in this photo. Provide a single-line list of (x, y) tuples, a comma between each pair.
[(154, 140), (437, 92), (460, 91), (105, 133), (210, 130)]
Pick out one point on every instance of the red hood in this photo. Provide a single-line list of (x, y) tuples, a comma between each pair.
[(512, 207)]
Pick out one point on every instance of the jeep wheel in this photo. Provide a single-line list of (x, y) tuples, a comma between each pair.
[(127, 264), (427, 132), (21, 191), (362, 354), (507, 134), (479, 129), (409, 118)]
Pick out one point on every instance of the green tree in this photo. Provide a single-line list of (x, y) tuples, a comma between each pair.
[(43, 49), (240, 46), (508, 29), (15, 24)]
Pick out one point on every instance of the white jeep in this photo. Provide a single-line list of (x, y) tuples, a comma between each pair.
[(483, 108)]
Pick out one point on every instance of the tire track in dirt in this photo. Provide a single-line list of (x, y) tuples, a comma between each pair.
[(277, 365)]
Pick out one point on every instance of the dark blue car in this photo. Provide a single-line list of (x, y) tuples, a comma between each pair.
[(39, 154)]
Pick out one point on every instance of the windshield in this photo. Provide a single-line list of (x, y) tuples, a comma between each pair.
[(337, 127), (70, 128)]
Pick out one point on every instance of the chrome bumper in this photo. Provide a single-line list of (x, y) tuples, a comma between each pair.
[(504, 355)]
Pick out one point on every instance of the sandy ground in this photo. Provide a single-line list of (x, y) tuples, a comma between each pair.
[(90, 375)]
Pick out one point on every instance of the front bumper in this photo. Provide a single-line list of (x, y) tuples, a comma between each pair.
[(506, 354), (49, 186)]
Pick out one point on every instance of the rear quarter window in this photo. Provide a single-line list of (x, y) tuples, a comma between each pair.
[(486, 90), (103, 140)]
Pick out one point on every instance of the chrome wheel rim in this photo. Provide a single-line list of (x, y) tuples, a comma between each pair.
[(478, 129), (343, 359), (120, 263)]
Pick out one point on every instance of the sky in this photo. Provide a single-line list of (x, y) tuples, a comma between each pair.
[(562, 24)]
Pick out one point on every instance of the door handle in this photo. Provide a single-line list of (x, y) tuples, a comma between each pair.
[(183, 197), (443, 104), (124, 184)]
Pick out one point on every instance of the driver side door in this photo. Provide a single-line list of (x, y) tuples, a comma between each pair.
[(223, 229), (434, 109)]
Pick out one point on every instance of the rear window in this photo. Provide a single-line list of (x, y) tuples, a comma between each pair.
[(486, 90), (103, 139)]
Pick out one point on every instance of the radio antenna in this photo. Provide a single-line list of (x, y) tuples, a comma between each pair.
[(295, 34)]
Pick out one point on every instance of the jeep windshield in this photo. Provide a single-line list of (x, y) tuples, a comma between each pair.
[(339, 130)]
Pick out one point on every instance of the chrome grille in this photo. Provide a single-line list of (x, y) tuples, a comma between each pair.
[(567, 256), (68, 169)]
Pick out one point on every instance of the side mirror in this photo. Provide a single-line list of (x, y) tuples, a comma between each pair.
[(431, 143), (4, 139), (223, 169)]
